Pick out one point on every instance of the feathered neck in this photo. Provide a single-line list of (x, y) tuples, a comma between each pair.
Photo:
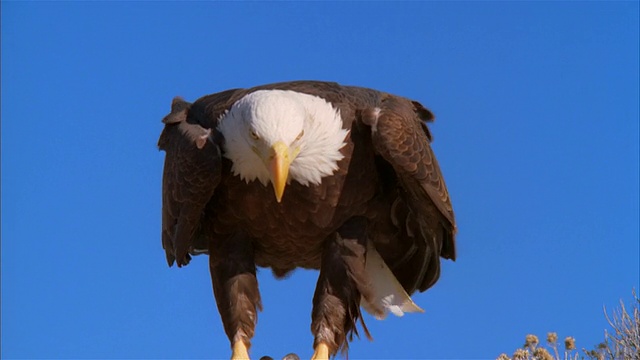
[(309, 125)]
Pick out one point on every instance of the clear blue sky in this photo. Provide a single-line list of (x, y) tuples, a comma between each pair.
[(536, 132)]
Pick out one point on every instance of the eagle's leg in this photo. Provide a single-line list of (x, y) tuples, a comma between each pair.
[(235, 286), (336, 302)]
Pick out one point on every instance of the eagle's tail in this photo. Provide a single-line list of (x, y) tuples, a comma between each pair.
[(387, 294)]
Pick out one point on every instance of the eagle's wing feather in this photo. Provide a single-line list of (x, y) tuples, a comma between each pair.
[(400, 136), (192, 170), (190, 177)]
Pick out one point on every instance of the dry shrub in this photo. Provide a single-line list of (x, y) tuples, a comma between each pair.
[(622, 343)]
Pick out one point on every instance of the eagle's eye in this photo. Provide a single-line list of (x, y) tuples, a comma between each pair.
[(254, 135), (299, 135)]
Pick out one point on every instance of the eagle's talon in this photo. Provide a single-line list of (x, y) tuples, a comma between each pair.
[(321, 352), (240, 351)]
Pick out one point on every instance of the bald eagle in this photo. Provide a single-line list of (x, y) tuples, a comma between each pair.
[(312, 175)]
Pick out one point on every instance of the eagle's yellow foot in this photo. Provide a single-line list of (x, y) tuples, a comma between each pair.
[(239, 351), (321, 353)]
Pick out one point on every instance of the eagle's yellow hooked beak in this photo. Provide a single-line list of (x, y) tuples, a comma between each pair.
[(279, 167)]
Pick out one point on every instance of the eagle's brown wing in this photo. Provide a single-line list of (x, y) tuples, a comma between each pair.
[(191, 171), (421, 210)]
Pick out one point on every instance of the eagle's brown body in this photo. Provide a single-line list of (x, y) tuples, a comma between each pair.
[(388, 190)]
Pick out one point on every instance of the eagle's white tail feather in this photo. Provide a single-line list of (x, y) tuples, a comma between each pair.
[(388, 293)]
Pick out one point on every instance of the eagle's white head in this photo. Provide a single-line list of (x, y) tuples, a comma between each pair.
[(278, 136)]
